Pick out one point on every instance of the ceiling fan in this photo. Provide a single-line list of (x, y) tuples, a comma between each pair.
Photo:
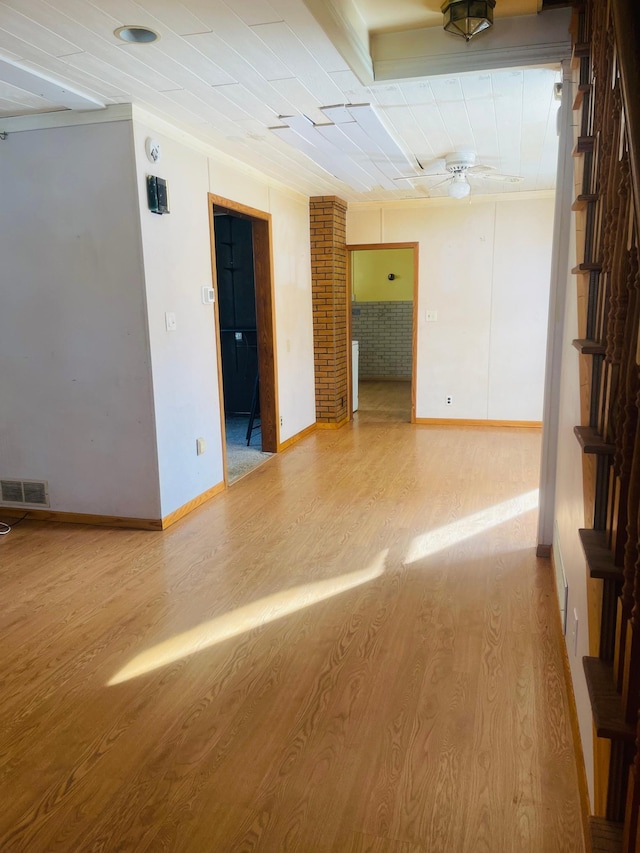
[(458, 166)]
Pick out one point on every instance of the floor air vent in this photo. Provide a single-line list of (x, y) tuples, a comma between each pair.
[(24, 492)]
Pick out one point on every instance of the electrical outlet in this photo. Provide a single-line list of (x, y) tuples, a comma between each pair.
[(432, 316), (449, 401), (574, 632), (281, 421)]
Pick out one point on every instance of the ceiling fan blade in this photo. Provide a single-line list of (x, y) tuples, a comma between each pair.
[(421, 176), (480, 168), (436, 167), (440, 183), (505, 179)]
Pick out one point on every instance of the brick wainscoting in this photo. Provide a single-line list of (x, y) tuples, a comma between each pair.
[(384, 331)]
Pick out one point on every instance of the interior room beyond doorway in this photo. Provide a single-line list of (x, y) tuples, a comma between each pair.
[(238, 324), (383, 285)]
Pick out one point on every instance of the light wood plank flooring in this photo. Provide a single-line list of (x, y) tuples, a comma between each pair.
[(352, 649)]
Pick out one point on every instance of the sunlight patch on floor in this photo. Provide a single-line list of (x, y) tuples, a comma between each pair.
[(471, 525), (245, 619)]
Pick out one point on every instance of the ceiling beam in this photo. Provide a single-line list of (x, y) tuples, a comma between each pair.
[(347, 32), (512, 42), (56, 93)]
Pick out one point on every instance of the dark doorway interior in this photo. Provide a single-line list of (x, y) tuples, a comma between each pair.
[(237, 311)]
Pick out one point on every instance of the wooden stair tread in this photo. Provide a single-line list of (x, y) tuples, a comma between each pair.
[(606, 703), (587, 266), (589, 347), (583, 88), (606, 836), (583, 200), (592, 442), (584, 145), (599, 555)]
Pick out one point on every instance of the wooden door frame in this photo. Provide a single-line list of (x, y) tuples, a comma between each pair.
[(360, 247), (265, 320)]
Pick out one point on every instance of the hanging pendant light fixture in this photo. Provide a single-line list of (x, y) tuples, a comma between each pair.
[(467, 18)]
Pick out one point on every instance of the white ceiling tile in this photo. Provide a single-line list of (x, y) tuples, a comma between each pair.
[(304, 25), (429, 121), (301, 63), (352, 89), (455, 119), (80, 80), (476, 86), (446, 89), (233, 35), (22, 27), (293, 90), (418, 92), (256, 12), (414, 141), (174, 16), (238, 64), (18, 100), (203, 110), (388, 94), (482, 117), (507, 88), (132, 84), (253, 107)]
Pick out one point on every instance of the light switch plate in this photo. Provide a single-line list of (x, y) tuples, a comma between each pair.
[(170, 321), (432, 316)]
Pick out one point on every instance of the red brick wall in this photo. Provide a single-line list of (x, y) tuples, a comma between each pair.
[(329, 280)]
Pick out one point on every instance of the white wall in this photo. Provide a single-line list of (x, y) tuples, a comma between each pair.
[(97, 397), (177, 261), (177, 256), (294, 312), (570, 515), (290, 237), (484, 267), (75, 385)]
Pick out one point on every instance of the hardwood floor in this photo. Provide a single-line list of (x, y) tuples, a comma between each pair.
[(353, 649), (384, 401)]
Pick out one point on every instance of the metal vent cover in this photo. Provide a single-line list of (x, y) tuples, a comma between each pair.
[(24, 492)]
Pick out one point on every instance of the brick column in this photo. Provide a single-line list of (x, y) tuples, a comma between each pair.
[(329, 280)]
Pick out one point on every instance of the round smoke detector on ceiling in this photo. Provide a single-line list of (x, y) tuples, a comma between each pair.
[(136, 35), (152, 147)]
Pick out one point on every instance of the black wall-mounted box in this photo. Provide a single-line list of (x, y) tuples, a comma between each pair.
[(157, 195)]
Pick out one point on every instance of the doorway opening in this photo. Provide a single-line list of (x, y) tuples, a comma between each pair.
[(383, 293), (240, 240)]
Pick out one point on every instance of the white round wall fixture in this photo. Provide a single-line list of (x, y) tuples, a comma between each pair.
[(152, 147)]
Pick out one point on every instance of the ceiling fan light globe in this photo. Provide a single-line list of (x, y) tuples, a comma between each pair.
[(459, 187)]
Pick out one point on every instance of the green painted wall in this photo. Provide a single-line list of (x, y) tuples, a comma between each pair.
[(369, 275)]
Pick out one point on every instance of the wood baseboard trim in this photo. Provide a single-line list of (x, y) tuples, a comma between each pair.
[(478, 423), (543, 551), (333, 424), (297, 437), (82, 518), (185, 509), (581, 770)]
